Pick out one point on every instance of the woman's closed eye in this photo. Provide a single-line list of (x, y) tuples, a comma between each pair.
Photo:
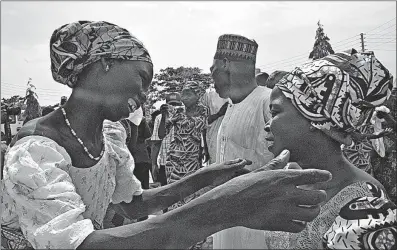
[(273, 113)]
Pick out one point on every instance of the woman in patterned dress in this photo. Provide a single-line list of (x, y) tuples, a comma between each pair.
[(315, 108), (185, 152), (64, 169)]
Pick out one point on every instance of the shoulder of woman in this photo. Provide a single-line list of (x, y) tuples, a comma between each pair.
[(33, 160), (364, 221), (115, 131)]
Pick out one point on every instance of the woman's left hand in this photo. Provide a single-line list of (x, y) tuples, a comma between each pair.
[(218, 174)]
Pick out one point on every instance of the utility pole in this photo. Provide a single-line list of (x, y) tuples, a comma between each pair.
[(362, 42)]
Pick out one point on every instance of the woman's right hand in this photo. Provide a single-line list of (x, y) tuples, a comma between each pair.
[(270, 200)]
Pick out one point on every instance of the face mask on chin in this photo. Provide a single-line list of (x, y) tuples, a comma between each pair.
[(136, 116)]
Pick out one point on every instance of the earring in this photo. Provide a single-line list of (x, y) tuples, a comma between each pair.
[(107, 68)]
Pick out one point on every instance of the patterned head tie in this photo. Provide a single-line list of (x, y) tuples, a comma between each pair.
[(274, 78), (195, 86), (338, 92), (76, 45), (236, 48)]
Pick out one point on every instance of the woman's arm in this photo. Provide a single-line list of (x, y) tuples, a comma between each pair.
[(156, 199), (177, 229), (260, 200)]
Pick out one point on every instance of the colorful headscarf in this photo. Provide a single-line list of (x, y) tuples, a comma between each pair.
[(195, 86), (339, 91), (274, 78), (76, 45)]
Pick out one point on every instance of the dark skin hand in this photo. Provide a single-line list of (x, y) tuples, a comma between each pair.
[(221, 112)]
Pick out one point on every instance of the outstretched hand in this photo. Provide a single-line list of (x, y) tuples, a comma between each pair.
[(218, 174), (271, 200)]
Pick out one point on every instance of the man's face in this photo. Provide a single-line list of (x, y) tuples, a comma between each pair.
[(221, 78)]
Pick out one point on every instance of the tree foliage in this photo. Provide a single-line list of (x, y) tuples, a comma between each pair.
[(322, 46), (172, 80)]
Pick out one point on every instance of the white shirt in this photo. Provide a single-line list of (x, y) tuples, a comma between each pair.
[(242, 134)]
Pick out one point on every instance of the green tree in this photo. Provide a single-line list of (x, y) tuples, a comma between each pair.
[(321, 47), (172, 80)]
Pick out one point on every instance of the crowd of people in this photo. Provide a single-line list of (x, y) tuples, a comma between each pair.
[(291, 160)]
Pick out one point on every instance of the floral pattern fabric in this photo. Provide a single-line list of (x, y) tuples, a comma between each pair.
[(385, 169), (55, 205), (76, 45), (183, 155), (360, 216), (338, 91)]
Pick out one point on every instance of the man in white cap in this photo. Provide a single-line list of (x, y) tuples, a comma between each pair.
[(241, 134)]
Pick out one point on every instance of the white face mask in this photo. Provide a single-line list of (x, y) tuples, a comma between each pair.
[(136, 116)]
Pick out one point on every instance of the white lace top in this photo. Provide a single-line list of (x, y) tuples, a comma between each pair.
[(55, 204)]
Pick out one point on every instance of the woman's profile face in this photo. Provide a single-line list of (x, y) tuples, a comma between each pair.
[(126, 85), (189, 97), (287, 129)]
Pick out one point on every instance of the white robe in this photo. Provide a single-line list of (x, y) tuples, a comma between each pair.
[(242, 135)]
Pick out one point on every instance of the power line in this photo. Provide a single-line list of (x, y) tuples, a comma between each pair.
[(21, 86), (376, 33), (381, 25), (381, 44), (385, 50), (341, 43), (386, 36), (356, 37)]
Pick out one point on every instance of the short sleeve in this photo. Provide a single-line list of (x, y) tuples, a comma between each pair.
[(46, 203), (127, 185), (155, 134), (364, 223)]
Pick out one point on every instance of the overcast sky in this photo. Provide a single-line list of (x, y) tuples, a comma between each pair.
[(186, 33)]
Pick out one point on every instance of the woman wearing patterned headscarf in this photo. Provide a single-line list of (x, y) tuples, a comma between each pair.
[(316, 108), (65, 168)]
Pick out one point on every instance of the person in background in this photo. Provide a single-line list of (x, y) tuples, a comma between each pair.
[(217, 108), (185, 155), (241, 133), (274, 78), (357, 213), (141, 155), (153, 116), (261, 78), (47, 110), (161, 140), (63, 100), (3, 147)]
